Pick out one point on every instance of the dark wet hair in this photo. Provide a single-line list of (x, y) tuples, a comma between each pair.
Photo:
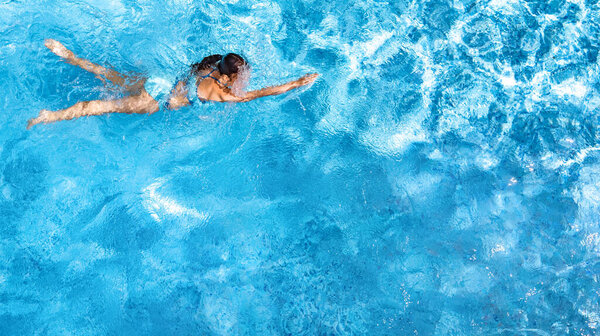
[(231, 63), (207, 63), (227, 65)]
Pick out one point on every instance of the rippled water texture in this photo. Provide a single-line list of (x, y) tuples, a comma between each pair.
[(442, 177)]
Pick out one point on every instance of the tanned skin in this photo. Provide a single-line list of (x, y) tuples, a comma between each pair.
[(137, 100)]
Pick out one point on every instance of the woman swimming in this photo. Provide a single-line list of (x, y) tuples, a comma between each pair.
[(217, 78)]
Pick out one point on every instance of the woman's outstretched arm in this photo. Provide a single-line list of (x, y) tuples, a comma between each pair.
[(279, 89)]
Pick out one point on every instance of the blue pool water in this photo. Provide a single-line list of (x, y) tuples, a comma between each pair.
[(442, 177)]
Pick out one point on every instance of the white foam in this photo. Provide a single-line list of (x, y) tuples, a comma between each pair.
[(592, 242), (428, 76), (503, 6), (158, 205), (586, 194), (401, 140), (334, 122), (392, 139), (459, 112), (592, 316), (551, 162), (507, 78), (359, 51), (501, 244), (537, 86), (241, 82), (110, 6), (455, 33), (571, 87), (486, 161)]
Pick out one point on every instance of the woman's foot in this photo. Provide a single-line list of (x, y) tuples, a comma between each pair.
[(59, 49), (32, 122), (42, 117)]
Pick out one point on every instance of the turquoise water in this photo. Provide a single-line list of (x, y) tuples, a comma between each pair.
[(442, 176)]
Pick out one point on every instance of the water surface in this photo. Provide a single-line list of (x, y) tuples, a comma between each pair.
[(440, 178)]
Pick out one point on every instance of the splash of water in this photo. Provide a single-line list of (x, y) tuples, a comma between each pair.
[(241, 82)]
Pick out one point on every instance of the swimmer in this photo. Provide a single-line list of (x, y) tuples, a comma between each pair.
[(217, 78)]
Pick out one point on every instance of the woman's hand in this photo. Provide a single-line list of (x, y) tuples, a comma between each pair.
[(59, 49), (179, 96), (307, 79)]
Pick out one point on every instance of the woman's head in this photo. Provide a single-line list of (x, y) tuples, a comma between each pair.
[(234, 69), (231, 64), (238, 71), (227, 65)]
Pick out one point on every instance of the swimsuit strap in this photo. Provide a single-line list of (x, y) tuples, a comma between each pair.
[(209, 74), (216, 79), (192, 96)]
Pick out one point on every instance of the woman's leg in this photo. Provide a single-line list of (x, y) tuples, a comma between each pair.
[(141, 103), (130, 83)]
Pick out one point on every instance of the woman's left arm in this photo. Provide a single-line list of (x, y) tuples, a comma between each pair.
[(179, 96)]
